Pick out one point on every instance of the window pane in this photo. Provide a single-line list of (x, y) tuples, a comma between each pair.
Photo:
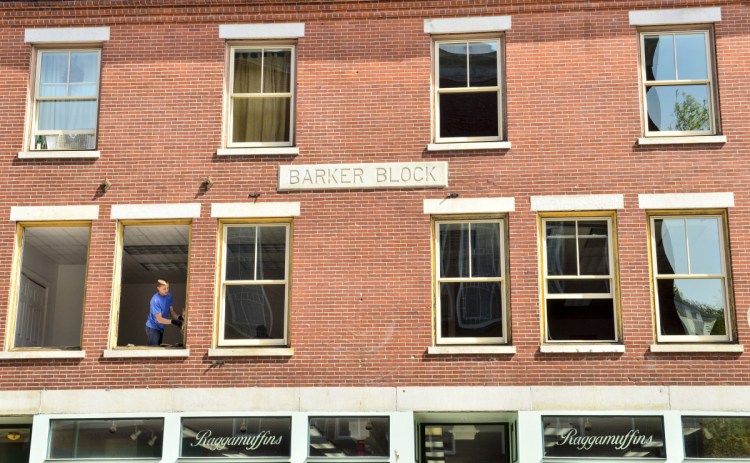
[(561, 256), (469, 114), (240, 258), (277, 71), (272, 253), (691, 56), (254, 312), (236, 437), (691, 306), (705, 250), (578, 286), (594, 254), (580, 320), (257, 120), (349, 437), (53, 77), (67, 115), (461, 443), (485, 250), (471, 310), (454, 250), (247, 71), (483, 64), (671, 246), (678, 108), (659, 52), (452, 65), (716, 437), (84, 71), (560, 228), (83, 439)]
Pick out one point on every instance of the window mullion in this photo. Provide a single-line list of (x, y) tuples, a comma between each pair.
[(578, 251), (468, 81), (255, 264), (67, 83), (687, 246)]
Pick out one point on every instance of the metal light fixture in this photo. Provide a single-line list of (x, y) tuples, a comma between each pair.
[(13, 436), (243, 426), (113, 428), (151, 442), (452, 195), (135, 434), (105, 185), (208, 183)]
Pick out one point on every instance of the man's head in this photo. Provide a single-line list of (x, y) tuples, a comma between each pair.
[(162, 286)]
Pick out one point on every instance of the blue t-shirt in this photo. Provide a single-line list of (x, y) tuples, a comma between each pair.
[(159, 304)]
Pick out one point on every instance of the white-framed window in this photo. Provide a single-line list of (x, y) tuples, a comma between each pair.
[(260, 95), (254, 284), (470, 286), (468, 90), (65, 105), (104, 439), (678, 82), (689, 266), (579, 279), (49, 286), (349, 437)]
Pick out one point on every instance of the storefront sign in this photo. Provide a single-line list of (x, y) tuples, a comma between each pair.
[(604, 436), (363, 176), (236, 437)]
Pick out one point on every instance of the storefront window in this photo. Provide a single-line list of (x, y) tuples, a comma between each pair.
[(127, 438), (349, 437), (716, 437), (604, 437), (236, 437), (465, 443), (15, 443)]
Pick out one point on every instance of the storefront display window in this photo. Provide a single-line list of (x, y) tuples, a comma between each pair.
[(103, 439), (349, 437), (604, 437), (716, 437), (465, 443), (236, 437)]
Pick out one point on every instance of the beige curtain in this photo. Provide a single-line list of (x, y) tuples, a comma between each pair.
[(259, 118)]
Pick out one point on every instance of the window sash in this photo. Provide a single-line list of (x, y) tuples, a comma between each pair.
[(225, 284), (723, 277), (652, 84), (234, 97), (497, 89), (440, 280)]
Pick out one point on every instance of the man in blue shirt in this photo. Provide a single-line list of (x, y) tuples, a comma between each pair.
[(161, 313)]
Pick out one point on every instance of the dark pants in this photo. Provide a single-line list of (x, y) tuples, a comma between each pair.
[(154, 336)]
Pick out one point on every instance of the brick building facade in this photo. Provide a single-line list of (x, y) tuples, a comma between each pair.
[(439, 231)]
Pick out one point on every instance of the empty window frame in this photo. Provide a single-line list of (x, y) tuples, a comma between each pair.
[(261, 96), (254, 278), (66, 99), (679, 88), (470, 288), (50, 285), (468, 90), (579, 279), (690, 277), (150, 251)]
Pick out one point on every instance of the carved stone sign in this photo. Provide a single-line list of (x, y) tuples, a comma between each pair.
[(363, 176)]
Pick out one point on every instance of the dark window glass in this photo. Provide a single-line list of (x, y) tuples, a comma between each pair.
[(471, 309), (716, 437), (236, 437), (483, 64), (240, 258), (349, 437), (254, 312), (555, 286), (469, 114), (462, 443), (580, 320), (89, 439), (691, 306), (454, 250), (15, 443), (452, 64)]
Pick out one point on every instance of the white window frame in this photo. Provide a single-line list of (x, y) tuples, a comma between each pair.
[(710, 80), (34, 132), (612, 276), (498, 89), (231, 96), (221, 341), (502, 279), (725, 276)]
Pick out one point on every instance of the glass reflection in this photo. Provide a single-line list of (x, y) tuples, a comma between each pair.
[(99, 439), (659, 51), (691, 57), (483, 64), (452, 63), (466, 442), (716, 436), (240, 248), (254, 312), (471, 310), (692, 307), (349, 437), (678, 108)]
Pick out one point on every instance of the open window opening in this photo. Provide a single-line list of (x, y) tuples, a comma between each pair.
[(51, 283), (151, 252)]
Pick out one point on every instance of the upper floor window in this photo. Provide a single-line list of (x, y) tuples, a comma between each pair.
[(468, 90), (689, 268), (470, 290), (579, 279), (679, 84), (66, 99), (261, 96)]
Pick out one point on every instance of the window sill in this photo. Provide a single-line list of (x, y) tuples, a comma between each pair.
[(726, 348), (701, 139), (146, 353), (58, 154), (493, 145), (43, 354), (582, 349), (469, 350), (251, 352), (285, 150)]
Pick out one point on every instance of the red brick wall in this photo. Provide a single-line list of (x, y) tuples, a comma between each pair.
[(361, 298)]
